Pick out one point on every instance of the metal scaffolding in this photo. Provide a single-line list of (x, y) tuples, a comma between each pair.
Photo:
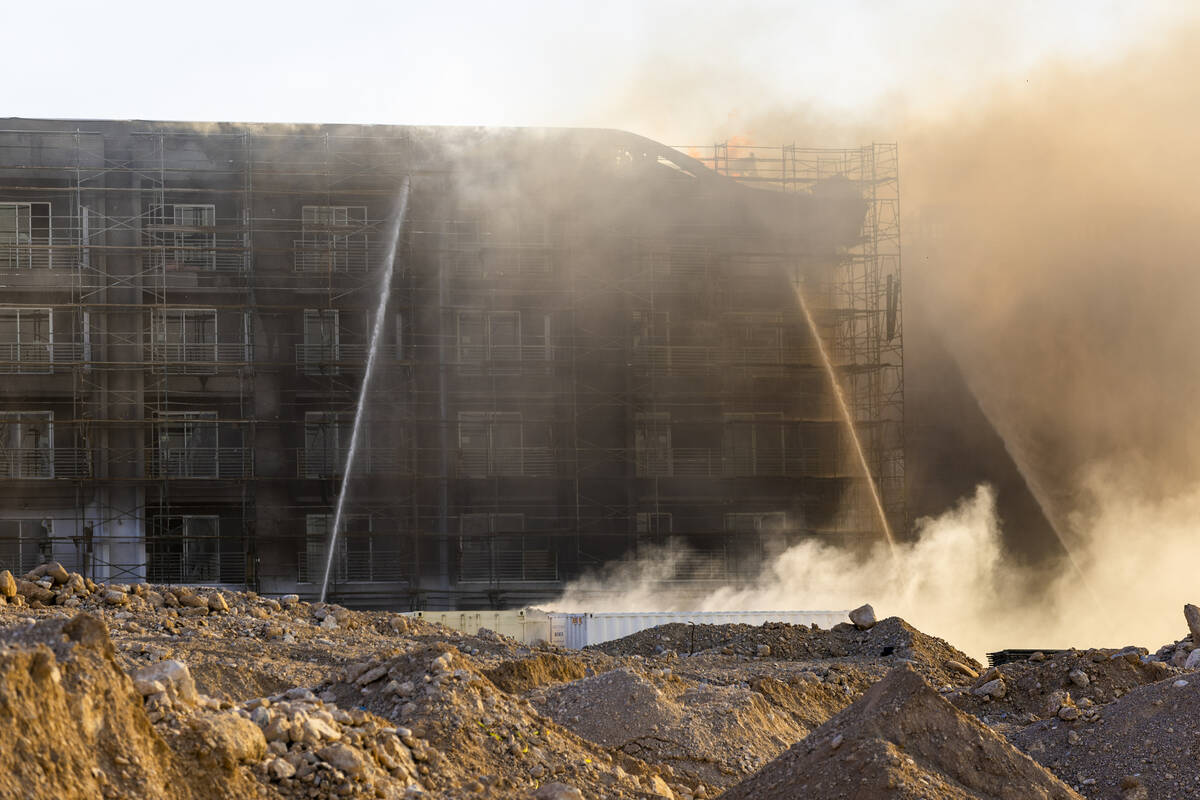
[(185, 326)]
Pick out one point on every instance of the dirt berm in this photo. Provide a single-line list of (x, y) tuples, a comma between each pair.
[(76, 727), (901, 740)]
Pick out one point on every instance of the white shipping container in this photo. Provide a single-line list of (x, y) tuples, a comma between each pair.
[(580, 630), (528, 625), (532, 625)]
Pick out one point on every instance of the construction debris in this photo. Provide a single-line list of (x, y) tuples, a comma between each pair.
[(183, 692)]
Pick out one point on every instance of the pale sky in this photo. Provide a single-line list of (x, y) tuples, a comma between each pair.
[(664, 69)]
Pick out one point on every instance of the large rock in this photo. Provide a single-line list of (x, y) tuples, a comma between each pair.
[(1192, 614), (557, 791), (863, 617), (8, 584), (174, 676), (902, 740), (345, 758), (58, 573), (230, 738)]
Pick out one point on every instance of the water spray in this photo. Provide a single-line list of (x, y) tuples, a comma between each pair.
[(844, 408), (385, 293)]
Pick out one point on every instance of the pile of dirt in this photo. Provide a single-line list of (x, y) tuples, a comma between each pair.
[(77, 728), (889, 642), (1071, 684), (707, 735), (1146, 745), (526, 674), (901, 740), (480, 740)]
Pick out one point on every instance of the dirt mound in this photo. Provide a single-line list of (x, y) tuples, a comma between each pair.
[(519, 677), (901, 740), (889, 642), (708, 735), (1079, 681), (478, 739), (1144, 746), (77, 727)]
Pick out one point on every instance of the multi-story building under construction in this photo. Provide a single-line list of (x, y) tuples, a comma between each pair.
[(593, 349)]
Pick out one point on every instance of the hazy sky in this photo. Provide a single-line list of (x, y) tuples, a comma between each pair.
[(666, 69)]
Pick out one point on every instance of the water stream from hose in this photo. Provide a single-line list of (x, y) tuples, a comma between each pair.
[(385, 293), (840, 396)]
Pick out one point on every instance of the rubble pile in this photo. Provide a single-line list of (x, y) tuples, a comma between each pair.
[(901, 740), (881, 645), (479, 739), (1146, 744), (709, 735), (183, 693), (1070, 685)]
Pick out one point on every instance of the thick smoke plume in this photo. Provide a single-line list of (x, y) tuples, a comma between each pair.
[(1051, 245)]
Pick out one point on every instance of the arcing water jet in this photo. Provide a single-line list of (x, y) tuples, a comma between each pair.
[(844, 409), (385, 293)]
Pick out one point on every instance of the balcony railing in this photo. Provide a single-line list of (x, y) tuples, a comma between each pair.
[(326, 359), (200, 358), (346, 256), (703, 462), (174, 253), (44, 464), (367, 460), (535, 462), (39, 357), (200, 462)]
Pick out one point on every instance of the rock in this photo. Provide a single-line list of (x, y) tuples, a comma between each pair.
[(559, 791), (57, 573), (232, 739), (32, 591), (1193, 660), (289, 600), (763, 650), (961, 668), (146, 688), (329, 623), (371, 675), (170, 600), (188, 599), (863, 617), (1179, 684), (194, 611), (994, 689), (345, 758), (8, 585), (115, 598), (659, 787), (217, 603), (315, 730), (1191, 613), (278, 769), (1068, 713), (1079, 678), (175, 676), (1038, 657)]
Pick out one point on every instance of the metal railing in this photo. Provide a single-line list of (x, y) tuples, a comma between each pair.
[(38, 357), (207, 358), (330, 359), (200, 462), (706, 462), (346, 256), (41, 463), (534, 462), (331, 464)]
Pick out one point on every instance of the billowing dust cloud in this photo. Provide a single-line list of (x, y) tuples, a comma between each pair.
[(1051, 243)]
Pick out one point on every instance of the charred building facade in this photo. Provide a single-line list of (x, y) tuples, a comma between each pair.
[(593, 349)]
